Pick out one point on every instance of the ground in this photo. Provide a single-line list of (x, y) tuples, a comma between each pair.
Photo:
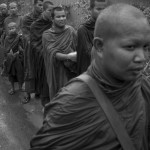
[(18, 122)]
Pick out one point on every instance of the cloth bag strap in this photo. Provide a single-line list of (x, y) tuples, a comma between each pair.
[(110, 112)]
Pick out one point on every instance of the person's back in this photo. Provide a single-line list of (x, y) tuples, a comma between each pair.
[(74, 118)]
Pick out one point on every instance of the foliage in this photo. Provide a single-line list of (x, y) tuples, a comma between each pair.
[(83, 5), (139, 6)]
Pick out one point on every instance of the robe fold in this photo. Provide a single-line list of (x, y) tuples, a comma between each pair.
[(14, 65), (53, 42), (36, 52), (74, 120), (85, 35)]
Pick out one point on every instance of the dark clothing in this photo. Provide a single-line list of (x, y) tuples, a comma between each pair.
[(2, 18), (36, 51), (74, 120), (14, 64), (29, 74), (63, 42), (2, 36), (28, 20), (85, 36)]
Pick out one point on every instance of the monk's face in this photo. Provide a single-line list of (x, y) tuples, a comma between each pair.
[(39, 7), (98, 7), (59, 18), (3, 9), (13, 10), (124, 54), (12, 29), (47, 12)]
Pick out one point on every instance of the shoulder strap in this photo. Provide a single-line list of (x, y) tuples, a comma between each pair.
[(110, 112)]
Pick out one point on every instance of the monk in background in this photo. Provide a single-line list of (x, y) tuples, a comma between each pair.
[(43, 23), (85, 36), (14, 62), (59, 46), (14, 16), (3, 15), (29, 67)]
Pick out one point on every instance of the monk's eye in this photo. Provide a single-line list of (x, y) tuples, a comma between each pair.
[(130, 47)]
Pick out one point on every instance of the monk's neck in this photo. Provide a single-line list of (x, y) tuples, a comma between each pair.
[(58, 29), (99, 73)]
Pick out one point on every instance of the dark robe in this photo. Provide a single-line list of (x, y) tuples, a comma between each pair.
[(85, 36), (37, 29), (14, 65), (29, 75), (75, 121), (2, 35), (2, 18), (56, 71)]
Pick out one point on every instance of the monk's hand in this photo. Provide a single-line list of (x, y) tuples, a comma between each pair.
[(72, 56)]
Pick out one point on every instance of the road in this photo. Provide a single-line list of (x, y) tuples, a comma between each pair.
[(18, 122)]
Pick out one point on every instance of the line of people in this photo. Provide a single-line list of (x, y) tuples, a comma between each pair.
[(50, 51), (41, 50), (107, 107)]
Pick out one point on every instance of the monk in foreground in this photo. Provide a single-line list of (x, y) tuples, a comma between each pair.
[(76, 120)]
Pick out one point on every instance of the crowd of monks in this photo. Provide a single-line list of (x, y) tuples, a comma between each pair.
[(40, 51)]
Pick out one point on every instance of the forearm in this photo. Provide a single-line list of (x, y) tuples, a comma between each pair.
[(60, 56)]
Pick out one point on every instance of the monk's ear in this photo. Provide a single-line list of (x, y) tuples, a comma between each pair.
[(98, 45)]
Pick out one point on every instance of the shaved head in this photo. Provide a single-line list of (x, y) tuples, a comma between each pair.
[(3, 5), (12, 4), (12, 24), (118, 19), (121, 42)]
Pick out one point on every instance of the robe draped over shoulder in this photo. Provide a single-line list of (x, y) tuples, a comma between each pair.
[(74, 120), (53, 42)]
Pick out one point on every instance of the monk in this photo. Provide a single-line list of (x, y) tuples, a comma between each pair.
[(86, 34), (74, 119), (26, 24), (4, 14), (13, 17), (13, 64), (59, 46), (33, 16), (37, 28)]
